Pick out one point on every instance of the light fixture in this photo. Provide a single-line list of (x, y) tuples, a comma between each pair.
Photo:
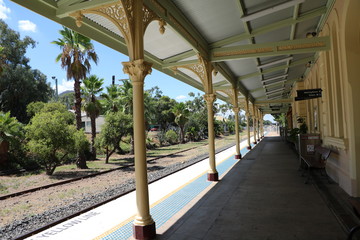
[(310, 34), (271, 10), (275, 62), (273, 78)]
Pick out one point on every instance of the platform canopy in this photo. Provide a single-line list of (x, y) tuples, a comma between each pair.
[(261, 47)]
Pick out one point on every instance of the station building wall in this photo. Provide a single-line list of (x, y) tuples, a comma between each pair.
[(336, 116)]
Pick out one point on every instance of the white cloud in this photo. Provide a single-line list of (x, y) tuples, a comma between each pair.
[(64, 86), (26, 25), (181, 97), (4, 11)]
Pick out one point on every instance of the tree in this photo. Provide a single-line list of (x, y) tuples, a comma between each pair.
[(92, 87), (267, 122), (117, 125), (68, 99), (52, 107), (19, 84), (11, 134), (77, 53), (51, 139), (163, 114), (181, 118), (111, 99)]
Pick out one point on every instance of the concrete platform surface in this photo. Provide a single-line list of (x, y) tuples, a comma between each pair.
[(262, 197)]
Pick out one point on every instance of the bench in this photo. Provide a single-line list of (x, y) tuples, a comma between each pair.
[(355, 203), (318, 161)]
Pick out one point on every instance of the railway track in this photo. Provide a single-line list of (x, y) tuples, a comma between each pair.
[(16, 194), (58, 221)]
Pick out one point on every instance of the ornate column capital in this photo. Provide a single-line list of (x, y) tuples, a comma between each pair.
[(236, 110), (210, 98), (137, 70)]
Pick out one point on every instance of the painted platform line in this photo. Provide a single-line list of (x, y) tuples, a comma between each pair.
[(105, 219), (172, 204)]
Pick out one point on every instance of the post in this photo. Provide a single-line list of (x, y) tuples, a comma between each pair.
[(237, 133), (137, 68), (212, 173)]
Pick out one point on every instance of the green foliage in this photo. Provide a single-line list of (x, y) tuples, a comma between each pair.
[(19, 84), (67, 99), (92, 87), (82, 144), (33, 108), (117, 125), (161, 138), (181, 117), (11, 137), (111, 99), (52, 107), (192, 134), (76, 55), (10, 129), (218, 129), (267, 122), (280, 118), (171, 137), (162, 110), (51, 139), (230, 125)]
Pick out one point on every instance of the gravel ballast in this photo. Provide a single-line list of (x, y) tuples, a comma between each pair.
[(87, 193)]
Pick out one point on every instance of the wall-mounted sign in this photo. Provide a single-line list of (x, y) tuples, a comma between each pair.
[(308, 94)]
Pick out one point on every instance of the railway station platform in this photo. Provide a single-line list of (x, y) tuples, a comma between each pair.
[(262, 196)]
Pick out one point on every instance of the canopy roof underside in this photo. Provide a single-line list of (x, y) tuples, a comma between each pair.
[(262, 47)]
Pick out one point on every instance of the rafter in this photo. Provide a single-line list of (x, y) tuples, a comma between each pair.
[(180, 57), (262, 102), (271, 27), (278, 68), (64, 10), (299, 46), (168, 11)]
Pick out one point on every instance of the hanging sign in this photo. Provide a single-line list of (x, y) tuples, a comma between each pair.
[(308, 94)]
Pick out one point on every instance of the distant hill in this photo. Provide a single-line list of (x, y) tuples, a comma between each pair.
[(63, 93)]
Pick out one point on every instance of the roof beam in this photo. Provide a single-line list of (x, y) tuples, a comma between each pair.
[(181, 63), (226, 72), (65, 9), (278, 68), (287, 100), (270, 27), (299, 46), (270, 10), (180, 57), (168, 11)]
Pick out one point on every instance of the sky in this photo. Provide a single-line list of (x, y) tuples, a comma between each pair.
[(42, 57)]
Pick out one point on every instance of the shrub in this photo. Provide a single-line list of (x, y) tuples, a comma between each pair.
[(11, 136), (161, 137), (171, 137), (51, 139), (117, 125), (218, 127)]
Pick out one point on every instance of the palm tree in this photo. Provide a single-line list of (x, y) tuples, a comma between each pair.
[(92, 87), (126, 92), (111, 99), (181, 118), (77, 52)]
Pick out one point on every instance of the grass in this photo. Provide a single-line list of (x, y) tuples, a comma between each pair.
[(10, 184), (114, 162)]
